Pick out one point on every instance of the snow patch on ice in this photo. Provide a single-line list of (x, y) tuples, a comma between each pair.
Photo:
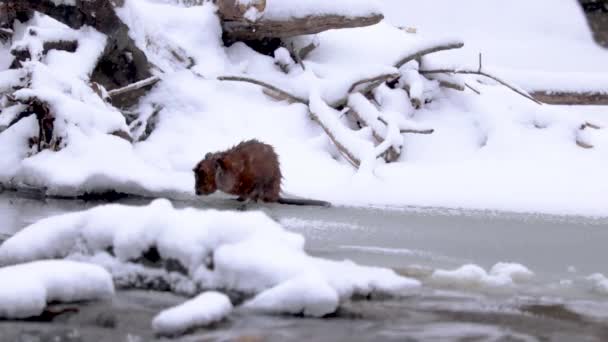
[(27, 288), (203, 310), (472, 276)]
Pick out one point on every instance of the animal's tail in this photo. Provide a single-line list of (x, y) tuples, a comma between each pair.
[(303, 201)]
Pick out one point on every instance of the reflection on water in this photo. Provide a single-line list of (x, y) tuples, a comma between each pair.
[(557, 304)]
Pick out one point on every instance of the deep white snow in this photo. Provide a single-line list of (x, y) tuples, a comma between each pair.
[(28, 288), (203, 310), (245, 252), (496, 150)]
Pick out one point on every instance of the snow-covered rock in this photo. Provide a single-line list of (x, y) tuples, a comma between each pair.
[(28, 288), (203, 310), (243, 252)]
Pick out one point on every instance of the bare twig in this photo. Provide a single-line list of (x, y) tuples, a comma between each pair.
[(450, 85), (473, 89), (265, 85), (133, 86), (417, 131), (380, 78), (583, 144), (479, 70), (427, 51), (481, 73), (590, 125), (410, 130)]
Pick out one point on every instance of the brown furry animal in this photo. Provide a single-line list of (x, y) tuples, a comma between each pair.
[(249, 170)]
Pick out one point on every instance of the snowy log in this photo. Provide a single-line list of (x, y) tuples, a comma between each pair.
[(244, 29), (571, 98)]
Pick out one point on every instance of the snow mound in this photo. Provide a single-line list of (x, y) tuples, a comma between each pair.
[(190, 250), (472, 276), (203, 310), (599, 283), (26, 289)]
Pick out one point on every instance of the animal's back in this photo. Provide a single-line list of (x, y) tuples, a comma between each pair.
[(251, 170)]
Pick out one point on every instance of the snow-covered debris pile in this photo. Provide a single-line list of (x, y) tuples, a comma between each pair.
[(472, 276), (188, 251), (203, 310), (28, 288)]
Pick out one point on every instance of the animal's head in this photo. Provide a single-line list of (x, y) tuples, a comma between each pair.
[(204, 175)]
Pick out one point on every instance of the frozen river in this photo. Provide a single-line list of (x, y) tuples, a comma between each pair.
[(559, 303)]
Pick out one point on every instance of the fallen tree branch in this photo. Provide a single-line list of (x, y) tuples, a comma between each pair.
[(354, 161), (417, 131), (411, 130), (281, 92), (419, 54), (133, 86), (480, 73)]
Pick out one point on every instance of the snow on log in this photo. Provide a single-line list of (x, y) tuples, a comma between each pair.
[(256, 20), (205, 309), (383, 131)]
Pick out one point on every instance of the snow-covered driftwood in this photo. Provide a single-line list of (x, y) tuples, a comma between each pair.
[(256, 20)]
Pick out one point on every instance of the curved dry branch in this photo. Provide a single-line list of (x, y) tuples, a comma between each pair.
[(481, 73), (416, 55), (372, 80), (281, 92), (354, 161)]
